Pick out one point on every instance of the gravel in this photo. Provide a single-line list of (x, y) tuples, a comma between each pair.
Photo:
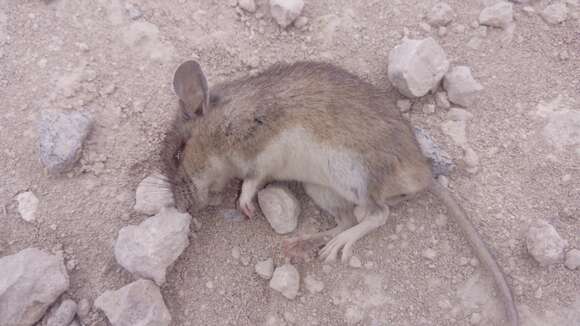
[(545, 244), (286, 280)]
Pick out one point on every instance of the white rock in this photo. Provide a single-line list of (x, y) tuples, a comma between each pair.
[(265, 268), (286, 11), (152, 194), (61, 137), (84, 308), (429, 253), (313, 285), (27, 205), (236, 253), (442, 101), (280, 208), (440, 15), (545, 244), (461, 87), (64, 315), (459, 114), (247, 5), (417, 66), (404, 105), (470, 157), (30, 281), (286, 280), (429, 108), (555, 13), (148, 249), (353, 315), (572, 259), (355, 262), (498, 15), (301, 22), (139, 303)]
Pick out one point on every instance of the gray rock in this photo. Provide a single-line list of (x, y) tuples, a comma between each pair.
[(545, 244), (148, 249), (442, 101), (133, 11), (286, 280), (265, 268), (152, 194), (461, 87), (64, 315), (441, 163), (247, 5), (280, 207), (285, 12), (498, 15), (27, 205), (440, 15), (30, 281), (555, 13), (404, 105), (572, 259), (139, 303), (417, 66), (84, 308), (61, 137)]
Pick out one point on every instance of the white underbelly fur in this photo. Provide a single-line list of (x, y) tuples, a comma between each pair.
[(296, 155)]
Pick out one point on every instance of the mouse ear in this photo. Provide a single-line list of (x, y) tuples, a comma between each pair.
[(190, 85)]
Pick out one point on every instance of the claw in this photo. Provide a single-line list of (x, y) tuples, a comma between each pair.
[(248, 210)]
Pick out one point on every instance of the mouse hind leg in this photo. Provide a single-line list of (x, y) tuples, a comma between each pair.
[(370, 218), (333, 204)]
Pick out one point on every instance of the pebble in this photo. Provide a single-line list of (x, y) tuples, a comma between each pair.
[(417, 66), (285, 12), (286, 280), (133, 11), (27, 205), (30, 282), (474, 43), (247, 5), (545, 244), (443, 180), (442, 31), (461, 87), (138, 303), (64, 315), (475, 318), (353, 315), (236, 253), (441, 163), (497, 15), (458, 114), (265, 268), (555, 13), (313, 285), (442, 101), (572, 259), (429, 253), (152, 194), (470, 158), (404, 105), (280, 207), (301, 22), (148, 249), (440, 15), (459, 28), (61, 137), (84, 308), (355, 262), (429, 108)]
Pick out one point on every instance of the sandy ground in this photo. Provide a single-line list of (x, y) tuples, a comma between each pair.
[(93, 57)]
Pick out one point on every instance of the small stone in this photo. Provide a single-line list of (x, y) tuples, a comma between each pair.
[(442, 31), (459, 28), (27, 205), (148, 249), (209, 285), (71, 265), (572, 259), (353, 315), (442, 101), (404, 105), (108, 89), (555, 13), (474, 43), (545, 244), (463, 261), (441, 163), (265, 268), (286, 280), (152, 194), (285, 12), (458, 114), (280, 207), (289, 317), (475, 318), (30, 282), (301, 22), (429, 108), (443, 180), (236, 253), (529, 10), (539, 293), (139, 303), (64, 315), (470, 158), (84, 308), (461, 87), (355, 262), (440, 15), (247, 5), (313, 285), (429, 254), (426, 27), (417, 66), (498, 15), (61, 137), (474, 262), (133, 11)]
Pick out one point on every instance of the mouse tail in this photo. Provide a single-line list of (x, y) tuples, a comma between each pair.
[(481, 250)]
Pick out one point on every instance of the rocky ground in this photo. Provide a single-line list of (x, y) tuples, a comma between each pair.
[(515, 143)]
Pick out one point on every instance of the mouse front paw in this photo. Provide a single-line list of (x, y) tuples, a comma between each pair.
[(248, 208)]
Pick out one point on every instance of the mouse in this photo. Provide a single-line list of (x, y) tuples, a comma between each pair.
[(314, 123)]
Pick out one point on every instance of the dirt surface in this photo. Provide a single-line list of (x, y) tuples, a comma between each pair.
[(100, 58)]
